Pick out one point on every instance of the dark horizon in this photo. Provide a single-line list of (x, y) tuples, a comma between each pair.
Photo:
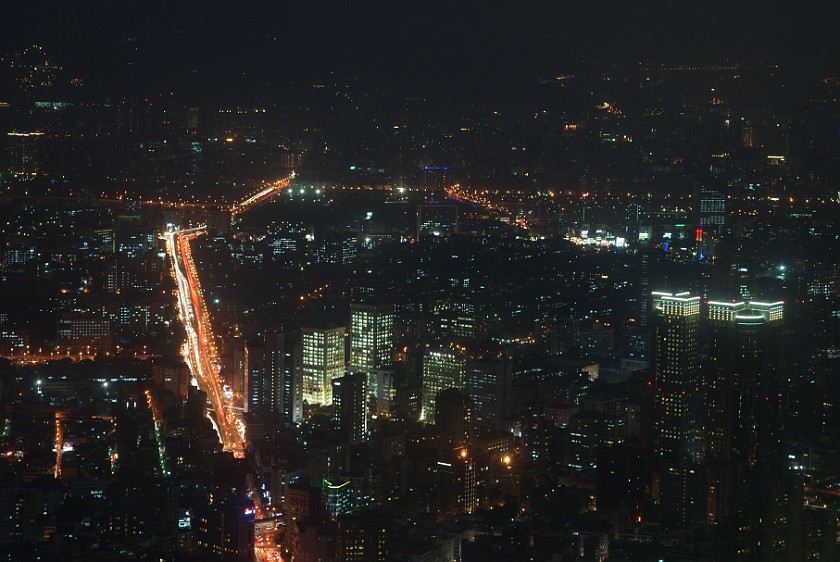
[(433, 49)]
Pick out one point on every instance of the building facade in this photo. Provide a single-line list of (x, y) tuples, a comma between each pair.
[(323, 361), (442, 369)]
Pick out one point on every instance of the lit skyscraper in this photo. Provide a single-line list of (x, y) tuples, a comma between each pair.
[(677, 377), (746, 496), (371, 349), (371, 336), (441, 370), (745, 344), (323, 361), (677, 410), (712, 210)]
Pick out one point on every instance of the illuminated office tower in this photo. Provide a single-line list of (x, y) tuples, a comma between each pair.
[(323, 361), (442, 369), (711, 213), (747, 499), (677, 377), (371, 350), (371, 336), (80, 333), (677, 410), (745, 356)]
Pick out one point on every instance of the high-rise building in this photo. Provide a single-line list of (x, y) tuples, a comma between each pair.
[(436, 177), (265, 375), (371, 336), (677, 429), (23, 154), (620, 478), (335, 247), (745, 356), (293, 383), (748, 135), (323, 361), (590, 431), (371, 350), (349, 398), (442, 369), (748, 500), (457, 482), (337, 494), (85, 334), (712, 210), (254, 376), (275, 369), (677, 408), (488, 385)]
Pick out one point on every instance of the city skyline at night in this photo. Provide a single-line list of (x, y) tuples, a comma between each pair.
[(439, 282)]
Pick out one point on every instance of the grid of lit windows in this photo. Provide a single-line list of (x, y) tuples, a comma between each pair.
[(371, 336), (323, 361), (441, 370)]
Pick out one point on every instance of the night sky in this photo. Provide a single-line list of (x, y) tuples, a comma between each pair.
[(428, 47)]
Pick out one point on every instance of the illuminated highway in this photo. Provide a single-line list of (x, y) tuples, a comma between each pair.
[(461, 195), (200, 348), (269, 191)]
